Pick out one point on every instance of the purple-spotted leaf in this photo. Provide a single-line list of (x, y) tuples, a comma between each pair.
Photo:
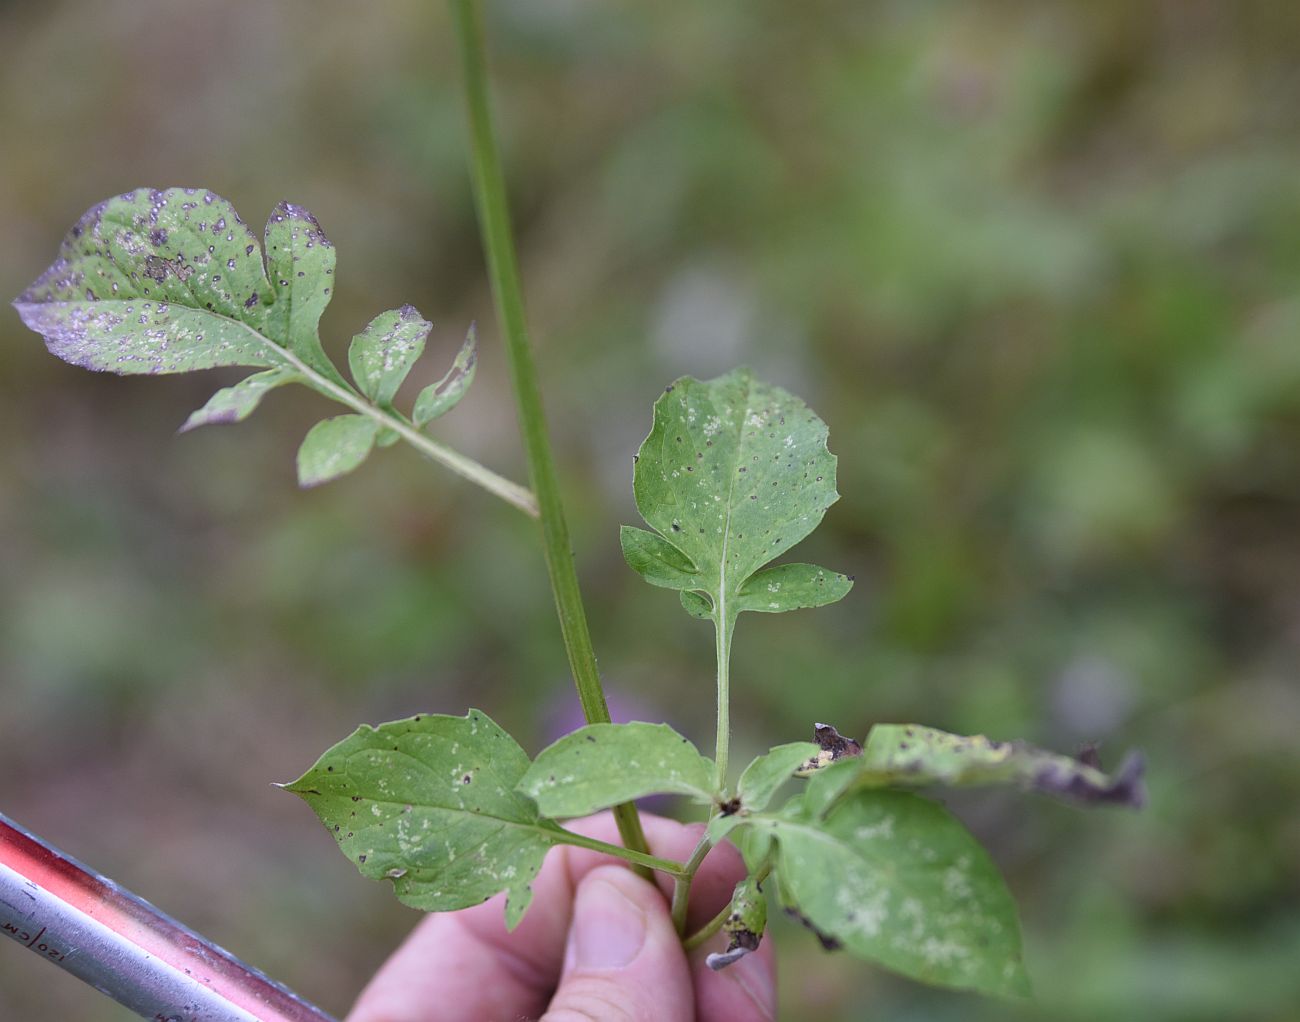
[(429, 803), (441, 397), (383, 353), (300, 264), (335, 447), (603, 765), (912, 755), (168, 281), (897, 879), (235, 404)]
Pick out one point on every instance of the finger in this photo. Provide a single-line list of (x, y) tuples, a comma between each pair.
[(623, 959), (745, 991)]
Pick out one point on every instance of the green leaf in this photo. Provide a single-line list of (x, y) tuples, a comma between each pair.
[(602, 765), (696, 605), (912, 755), (157, 282), (897, 879), (656, 560), (235, 404), (733, 474), (441, 397), (766, 773), (300, 262), (383, 353), (792, 587), (334, 447), (430, 804), (746, 921)]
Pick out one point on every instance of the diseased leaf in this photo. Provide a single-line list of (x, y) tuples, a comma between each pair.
[(897, 879), (441, 397), (792, 587), (157, 282), (696, 605), (334, 447), (235, 404), (655, 559), (603, 765), (430, 804), (831, 746), (383, 353), (300, 263), (766, 773), (912, 755), (746, 921), (734, 473)]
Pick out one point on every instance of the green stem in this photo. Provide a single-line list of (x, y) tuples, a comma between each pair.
[(707, 930), (716, 923), (498, 242), (670, 866), (724, 627), (682, 886), (466, 468)]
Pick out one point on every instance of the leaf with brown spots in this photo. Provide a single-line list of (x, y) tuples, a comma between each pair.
[(911, 755)]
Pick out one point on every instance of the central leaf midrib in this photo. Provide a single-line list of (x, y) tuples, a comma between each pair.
[(728, 507)]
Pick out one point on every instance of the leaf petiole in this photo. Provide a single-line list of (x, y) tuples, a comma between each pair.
[(466, 468), (725, 626), (670, 866)]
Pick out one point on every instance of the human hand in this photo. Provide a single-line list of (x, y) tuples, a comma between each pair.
[(597, 943)]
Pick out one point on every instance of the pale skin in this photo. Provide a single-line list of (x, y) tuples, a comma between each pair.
[(597, 943)]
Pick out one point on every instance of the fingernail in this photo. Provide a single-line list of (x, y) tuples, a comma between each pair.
[(608, 928)]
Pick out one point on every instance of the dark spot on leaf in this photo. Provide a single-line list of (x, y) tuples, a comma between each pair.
[(730, 807), (827, 941)]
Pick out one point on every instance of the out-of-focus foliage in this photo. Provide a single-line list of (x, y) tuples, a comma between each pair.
[(1035, 265)]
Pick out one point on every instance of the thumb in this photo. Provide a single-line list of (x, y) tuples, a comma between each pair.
[(624, 962)]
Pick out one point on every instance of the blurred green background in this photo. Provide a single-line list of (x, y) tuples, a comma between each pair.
[(1034, 263)]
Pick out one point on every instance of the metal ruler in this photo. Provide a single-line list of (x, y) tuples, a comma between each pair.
[(124, 947)]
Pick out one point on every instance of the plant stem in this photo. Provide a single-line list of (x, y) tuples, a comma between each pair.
[(682, 886), (724, 628), (669, 866), (466, 468), (498, 242), (707, 930), (715, 924)]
